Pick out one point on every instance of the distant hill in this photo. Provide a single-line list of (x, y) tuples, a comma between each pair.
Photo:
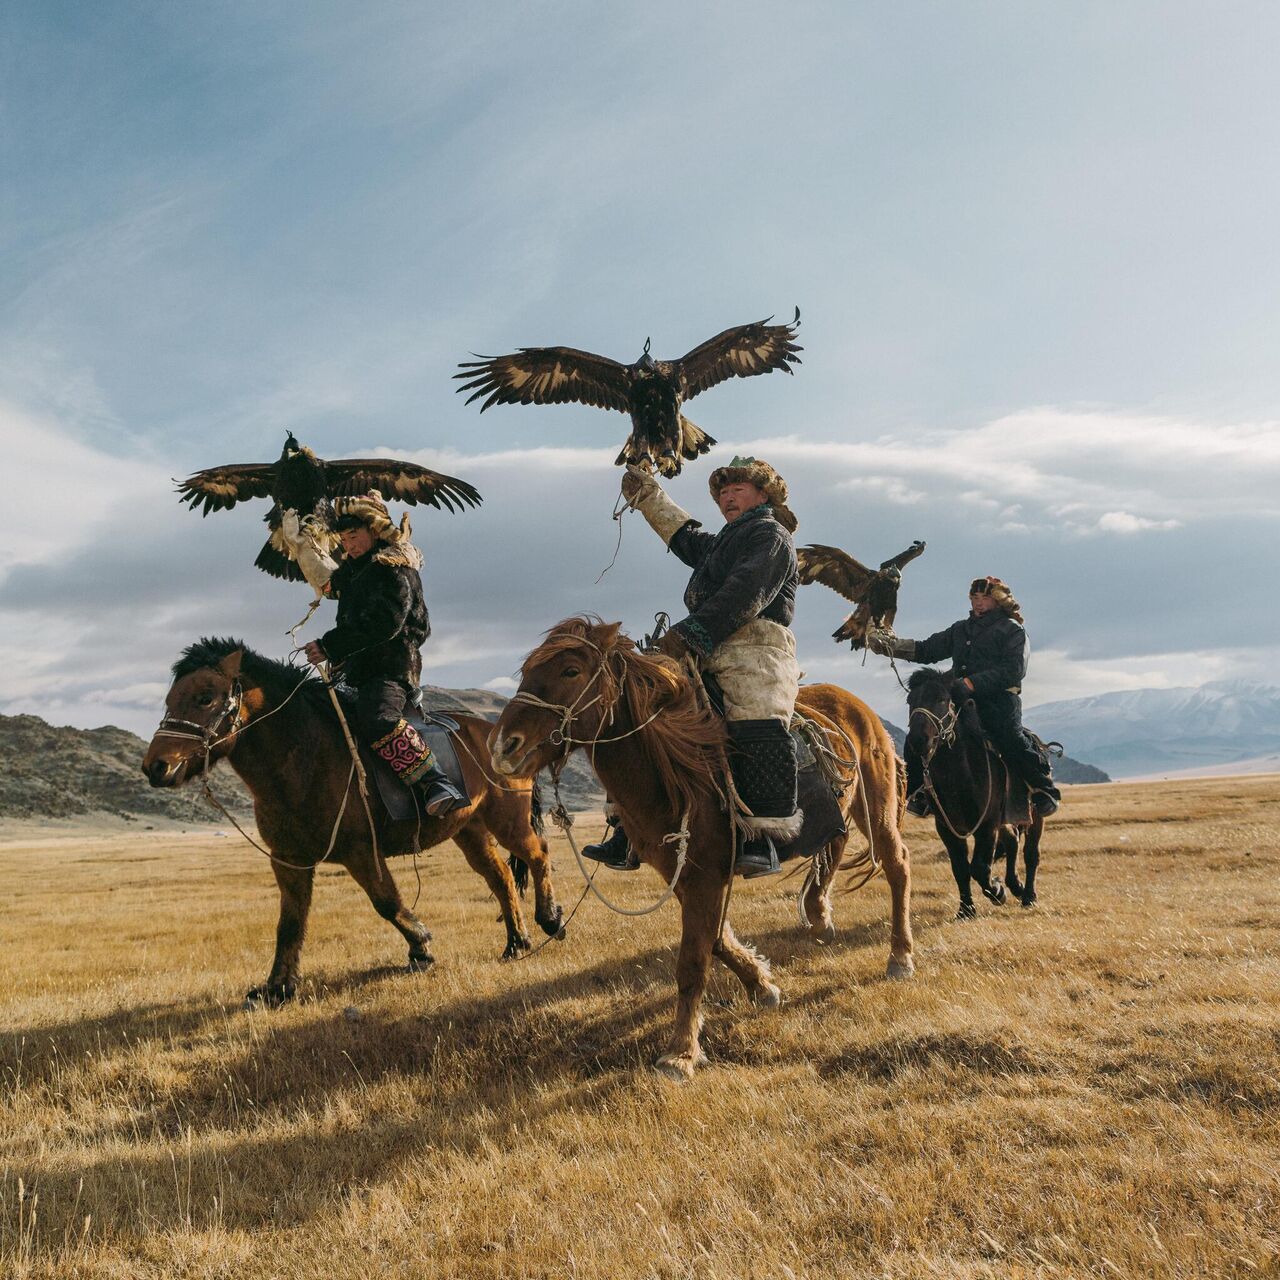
[(1219, 726)]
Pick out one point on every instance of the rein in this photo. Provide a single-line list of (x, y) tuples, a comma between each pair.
[(946, 734)]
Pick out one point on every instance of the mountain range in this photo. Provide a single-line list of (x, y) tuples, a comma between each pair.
[(1222, 726)]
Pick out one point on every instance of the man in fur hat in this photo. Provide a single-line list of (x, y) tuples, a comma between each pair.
[(741, 599), (988, 652), (376, 640)]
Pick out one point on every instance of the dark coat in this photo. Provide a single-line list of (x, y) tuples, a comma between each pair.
[(746, 571), (381, 624), (991, 650)]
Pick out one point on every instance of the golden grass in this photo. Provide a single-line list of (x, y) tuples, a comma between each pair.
[(1089, 1089)]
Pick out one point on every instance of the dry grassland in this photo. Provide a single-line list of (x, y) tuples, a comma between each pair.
[(1090, 1088)]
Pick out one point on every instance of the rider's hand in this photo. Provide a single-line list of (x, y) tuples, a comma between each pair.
[(314, 652), (962, 691), (879, 642), (673, 646)]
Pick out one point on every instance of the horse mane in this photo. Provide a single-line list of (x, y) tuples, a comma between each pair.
[(276, 679), (686, 742), (927, 677)]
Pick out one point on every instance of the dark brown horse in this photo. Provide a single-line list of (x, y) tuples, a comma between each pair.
[(967, 782), (278, 730), (660, 756)]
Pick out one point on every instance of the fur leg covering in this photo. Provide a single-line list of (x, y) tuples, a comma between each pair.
[(757, 669)]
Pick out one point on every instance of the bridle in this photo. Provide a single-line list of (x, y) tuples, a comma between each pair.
[(947, 726), (226, 717)]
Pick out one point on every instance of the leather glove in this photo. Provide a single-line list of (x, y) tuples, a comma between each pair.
[(961, 691), (673, 646), (880, 642), (637, 485)]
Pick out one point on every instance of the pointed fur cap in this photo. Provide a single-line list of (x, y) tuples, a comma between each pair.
[(372, 512), (754, 471)]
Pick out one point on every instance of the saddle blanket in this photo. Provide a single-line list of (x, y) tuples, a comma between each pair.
[(437, 732)]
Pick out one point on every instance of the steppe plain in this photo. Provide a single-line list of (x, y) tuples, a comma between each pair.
[(1090, 1088)]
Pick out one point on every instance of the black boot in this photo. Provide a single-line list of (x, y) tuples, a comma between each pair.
[(757, 857), (919, 805), (615, 851), (1045, 803), (439, 795)]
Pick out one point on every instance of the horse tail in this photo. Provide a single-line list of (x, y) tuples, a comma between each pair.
[(536, 815), (519, 873)]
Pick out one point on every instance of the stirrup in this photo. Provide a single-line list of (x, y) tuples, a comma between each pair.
[(757, 857), (1043, 804), (440, 796), (919, 805)]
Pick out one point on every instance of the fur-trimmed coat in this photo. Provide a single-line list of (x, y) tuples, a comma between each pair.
[(745, 571), (382, 619), (992, 650)]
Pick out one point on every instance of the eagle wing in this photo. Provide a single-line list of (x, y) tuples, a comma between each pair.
[(835, 569), (547, 375), (904, 557), (220, 488), (398, 481), (743, 352)]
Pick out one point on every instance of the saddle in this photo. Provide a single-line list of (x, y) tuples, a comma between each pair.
[(437, 732), (1017, 811)]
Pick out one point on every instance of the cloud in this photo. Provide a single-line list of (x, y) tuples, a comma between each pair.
[(501, 684), (1127, 522)]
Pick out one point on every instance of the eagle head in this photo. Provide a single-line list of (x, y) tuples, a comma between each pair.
[(291, 446)]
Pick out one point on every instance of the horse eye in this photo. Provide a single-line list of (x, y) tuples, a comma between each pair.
[(569, 672), (205, 699)]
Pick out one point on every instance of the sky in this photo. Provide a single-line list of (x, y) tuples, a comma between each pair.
[(1033, 246)]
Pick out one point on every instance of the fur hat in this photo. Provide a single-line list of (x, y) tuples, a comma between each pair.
[(765, 478), (370, 510), (999, 592)]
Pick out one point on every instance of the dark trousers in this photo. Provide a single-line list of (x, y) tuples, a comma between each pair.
[(380, 707), (1001, 716)]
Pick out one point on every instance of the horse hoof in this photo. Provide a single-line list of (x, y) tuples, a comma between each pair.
[(677, 1066), (967, 912), (552, 925), (822, 933), (1028, 901), (766, 995), (515, 946), (900, 970), (561, 933), (420, 964), (994, 892), (268, 997)]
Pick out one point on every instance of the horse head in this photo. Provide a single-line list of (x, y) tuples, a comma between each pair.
[(204, 710), (569, 688)]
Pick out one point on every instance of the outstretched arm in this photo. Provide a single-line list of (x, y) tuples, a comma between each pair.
[(670, 521)]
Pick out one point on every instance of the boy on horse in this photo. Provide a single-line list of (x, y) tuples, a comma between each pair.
[(988, 652), (741, 599), (375, 643)]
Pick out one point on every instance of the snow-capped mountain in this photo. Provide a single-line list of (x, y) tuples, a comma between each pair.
[(1145, 731)]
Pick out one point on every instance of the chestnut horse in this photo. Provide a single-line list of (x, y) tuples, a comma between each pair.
[(276, 727), (966, 781), (660, 755)]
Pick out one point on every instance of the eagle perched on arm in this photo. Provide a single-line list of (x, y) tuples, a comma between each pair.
[(875, 592), (650, 391), (299, 481)]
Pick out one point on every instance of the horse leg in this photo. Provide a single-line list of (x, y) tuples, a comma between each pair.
[(295, 904), (1031, 859), (375, 878), (699, 915), (482, 854), (816, 897), (750, 968), (1007, 844), (958, 852), (896, 862), (984, 847), (521, 840)]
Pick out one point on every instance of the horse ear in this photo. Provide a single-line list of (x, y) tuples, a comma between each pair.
[(230, 665), (608, 634)]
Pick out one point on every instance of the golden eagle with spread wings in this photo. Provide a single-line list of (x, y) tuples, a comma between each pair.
[(875, 592), (651, 391), (299, 481)]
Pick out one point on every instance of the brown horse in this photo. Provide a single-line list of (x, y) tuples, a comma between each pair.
[(277, 728), (660, 756), (967, 781)]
